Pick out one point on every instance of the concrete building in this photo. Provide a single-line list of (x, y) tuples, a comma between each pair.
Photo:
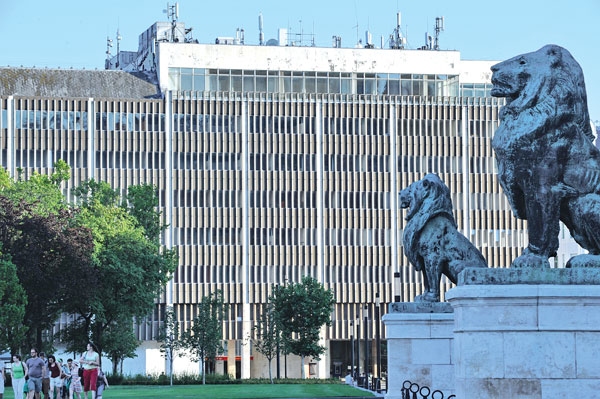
[(273, 162)]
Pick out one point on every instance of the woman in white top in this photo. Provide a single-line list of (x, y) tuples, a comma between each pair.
[(90, 362)]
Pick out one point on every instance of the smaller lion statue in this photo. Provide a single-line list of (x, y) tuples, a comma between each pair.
[(548, 165), (431, 240)]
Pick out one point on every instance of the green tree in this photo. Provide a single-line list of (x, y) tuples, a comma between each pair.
[(204, 338), (12, 306), (46, 250), (120, 343), (268, 336), (132, 269), (170, 339), (301, 309)]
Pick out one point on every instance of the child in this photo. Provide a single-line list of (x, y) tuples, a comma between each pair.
[(102, 383), (75, 382)]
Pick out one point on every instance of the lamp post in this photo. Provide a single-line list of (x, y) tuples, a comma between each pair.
[(378, 335), (367, 362), (357, 348), (352, 348)]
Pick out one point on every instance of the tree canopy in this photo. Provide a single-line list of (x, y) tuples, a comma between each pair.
[(301, 309)]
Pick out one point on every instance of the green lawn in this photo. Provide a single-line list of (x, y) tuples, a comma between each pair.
[(233, 391)]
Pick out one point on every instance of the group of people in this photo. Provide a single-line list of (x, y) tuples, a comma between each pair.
[(55, 379)]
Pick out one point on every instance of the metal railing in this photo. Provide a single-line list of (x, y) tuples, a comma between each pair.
[(410, 390)]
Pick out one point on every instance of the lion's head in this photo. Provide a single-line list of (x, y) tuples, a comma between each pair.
[(543, 89), (426, 197)]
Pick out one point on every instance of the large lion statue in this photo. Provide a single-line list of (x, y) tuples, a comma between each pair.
[(548, 165), (431, 240)]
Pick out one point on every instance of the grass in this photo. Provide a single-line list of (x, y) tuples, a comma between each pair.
[(237, 391)]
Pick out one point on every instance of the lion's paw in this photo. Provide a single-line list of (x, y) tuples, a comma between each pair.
[(585, 260), (530, 260)]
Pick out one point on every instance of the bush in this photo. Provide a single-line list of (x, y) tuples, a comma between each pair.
[(213, 379)]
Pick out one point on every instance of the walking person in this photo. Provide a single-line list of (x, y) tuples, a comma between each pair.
[(75, 386), (2, 378), (19, 372), (45, 376), (102, 383), (54, 371), (90, 362), (66, 376), (36, 368)]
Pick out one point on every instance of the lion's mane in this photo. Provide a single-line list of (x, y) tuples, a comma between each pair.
[(546, 110), (429, 198)]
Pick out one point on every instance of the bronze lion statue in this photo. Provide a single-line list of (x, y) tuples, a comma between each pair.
[(547, 163), (431, 240)]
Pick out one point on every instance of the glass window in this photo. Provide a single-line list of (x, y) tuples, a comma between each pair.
[(248, 83), (199, 82)]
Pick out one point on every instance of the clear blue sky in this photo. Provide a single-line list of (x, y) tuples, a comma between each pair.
[(68, 33)]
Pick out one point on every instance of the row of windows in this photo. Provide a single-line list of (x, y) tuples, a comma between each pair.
[(282, 236), (227, 80)]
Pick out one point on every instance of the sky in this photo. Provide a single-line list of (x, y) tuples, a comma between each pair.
[(73, 34)]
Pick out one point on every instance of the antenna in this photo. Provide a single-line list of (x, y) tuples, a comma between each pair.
[(439, 27), (396, 39), (173, 15), (108, 55), (261, 34)]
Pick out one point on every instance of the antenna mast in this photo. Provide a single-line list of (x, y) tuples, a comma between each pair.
[(173, 15), (439, 27)]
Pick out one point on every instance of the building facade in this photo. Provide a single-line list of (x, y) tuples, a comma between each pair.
[(275, 162)]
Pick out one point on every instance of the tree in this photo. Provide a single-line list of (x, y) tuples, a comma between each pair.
[(12, 306), (301, 309), (52, 257), (132, 269), (170, 339), (205, 336), (119, 343), (268, 336)]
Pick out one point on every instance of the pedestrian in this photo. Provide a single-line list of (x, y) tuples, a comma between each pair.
[(36, 369), (66, 376), (54, 371), (45, 377), (19, 372), (102, 383), (75, 387), (2, 378), (90, 362)]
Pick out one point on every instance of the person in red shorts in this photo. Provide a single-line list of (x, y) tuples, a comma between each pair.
[(90, 362)]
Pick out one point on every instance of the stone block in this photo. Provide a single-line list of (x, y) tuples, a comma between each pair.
[(588, 355), (498, 388), (539, 355), (479, 355), (431, 351)]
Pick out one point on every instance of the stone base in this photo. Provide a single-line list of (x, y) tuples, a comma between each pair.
[(419, 338), (529, 340)]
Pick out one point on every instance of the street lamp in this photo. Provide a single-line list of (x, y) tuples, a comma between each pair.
[(352, 347), (378, 335), (367, 362)]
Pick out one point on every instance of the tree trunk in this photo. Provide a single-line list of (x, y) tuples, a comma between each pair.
[(270, 371), (171, 368), (203, 372), (303, 374), (115, 364)]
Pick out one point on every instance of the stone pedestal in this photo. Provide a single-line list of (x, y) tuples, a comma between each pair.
[(527, 334), (419, 338)]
